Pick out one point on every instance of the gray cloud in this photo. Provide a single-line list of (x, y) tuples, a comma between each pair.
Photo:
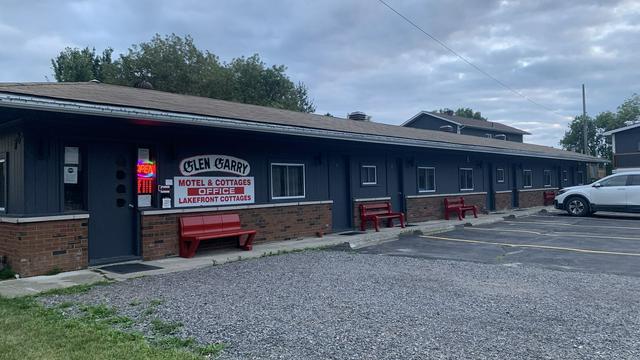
[(357, 55)]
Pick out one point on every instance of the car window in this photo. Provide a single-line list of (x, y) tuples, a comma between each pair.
[(634, 180), (615, 181)]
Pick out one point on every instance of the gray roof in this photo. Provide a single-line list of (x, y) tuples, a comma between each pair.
[(624, 128), (30, 95), (468, 122)]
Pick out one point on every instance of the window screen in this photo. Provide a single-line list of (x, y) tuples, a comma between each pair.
[(369, 175), (287, 181), (466, 179), (527, 179), (426, 179)]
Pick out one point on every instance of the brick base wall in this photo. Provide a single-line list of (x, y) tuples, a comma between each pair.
[(37, 248), (160, 233), (504, 201), (532, 198), (432, 207)]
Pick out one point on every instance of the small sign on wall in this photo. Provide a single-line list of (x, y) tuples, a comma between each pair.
[(213, 191), (70, 174)]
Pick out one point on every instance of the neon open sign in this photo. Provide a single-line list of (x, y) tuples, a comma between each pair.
[(146, 170)]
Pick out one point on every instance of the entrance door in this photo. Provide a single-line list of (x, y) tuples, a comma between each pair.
[(111, 203), (491, 198), (514, 186), (395, 187), (339, 192)]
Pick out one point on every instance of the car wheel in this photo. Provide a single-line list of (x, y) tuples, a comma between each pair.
[(577, 206)]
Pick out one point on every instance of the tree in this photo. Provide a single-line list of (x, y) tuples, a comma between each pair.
[(627, 112), (83, 65), (463, 112), (175, 64)]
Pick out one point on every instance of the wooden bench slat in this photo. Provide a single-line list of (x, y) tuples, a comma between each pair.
[(376, 212)]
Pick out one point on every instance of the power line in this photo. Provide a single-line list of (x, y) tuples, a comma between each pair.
[(480, 70)]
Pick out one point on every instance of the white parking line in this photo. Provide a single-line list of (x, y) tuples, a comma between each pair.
[(546, 247), (572, 234), (566, 224), (565, 217)]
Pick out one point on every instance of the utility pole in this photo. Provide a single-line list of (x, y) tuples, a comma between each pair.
[(585, 127)]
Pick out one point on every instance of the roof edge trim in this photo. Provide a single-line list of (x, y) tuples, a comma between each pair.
[(84, 108)]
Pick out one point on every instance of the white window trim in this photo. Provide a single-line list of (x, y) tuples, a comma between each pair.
[(523, 177), (3, 162), (375, 174), (500, 181), (434, 179), (304, 181), (472, 182), (544, 177)]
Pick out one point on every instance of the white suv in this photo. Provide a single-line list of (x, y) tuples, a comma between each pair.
[(618, 192)]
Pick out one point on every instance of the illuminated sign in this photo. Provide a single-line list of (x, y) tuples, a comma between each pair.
[(146, 170), (220, 163)]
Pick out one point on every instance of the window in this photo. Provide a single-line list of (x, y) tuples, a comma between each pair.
[(287, 181), (615, 181), (547, 178), (369, 175), (565, 175), (3, 183), (426, 179), (500, 175), (527, 179), (488, 136), (580, 178), (466, 179), (634, 180)]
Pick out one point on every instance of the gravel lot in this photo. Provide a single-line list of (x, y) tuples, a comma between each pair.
[(340, 305)]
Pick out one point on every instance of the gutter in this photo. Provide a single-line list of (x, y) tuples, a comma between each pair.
[(82, 108)]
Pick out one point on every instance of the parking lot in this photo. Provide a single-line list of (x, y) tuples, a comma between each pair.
[(605, 243)]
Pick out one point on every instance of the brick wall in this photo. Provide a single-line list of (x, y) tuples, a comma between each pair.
[(432, 207), (160, 233), (36, 248), (504, 201), (532, 198)]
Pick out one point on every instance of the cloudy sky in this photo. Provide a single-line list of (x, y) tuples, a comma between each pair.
[(358, 55)]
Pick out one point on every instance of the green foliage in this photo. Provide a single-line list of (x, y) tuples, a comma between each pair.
[(30, 331), (463, 112), (164, 328), (210, 350), (7, 273), (78, 289), (96, 312), (597, 144), (175, 64)]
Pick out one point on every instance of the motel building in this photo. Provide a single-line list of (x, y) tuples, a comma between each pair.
[(93, 173)]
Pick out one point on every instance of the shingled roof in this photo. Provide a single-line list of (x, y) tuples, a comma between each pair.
[(39, 96), (468, 122)]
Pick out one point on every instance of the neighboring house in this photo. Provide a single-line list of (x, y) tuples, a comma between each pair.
[(626, 147), (465, 126)]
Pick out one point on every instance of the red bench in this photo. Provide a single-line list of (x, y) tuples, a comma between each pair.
[(376, 212), (194, 229), (549, 196), (457, 205)]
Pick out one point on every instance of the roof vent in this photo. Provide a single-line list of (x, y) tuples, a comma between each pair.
[(143, 84), (358, 116), (446, 128), (500, 136)]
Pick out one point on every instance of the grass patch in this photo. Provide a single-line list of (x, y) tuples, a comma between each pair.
[(164, 328), (134, 303), (78, 289), (156, 302), (29, 331), (97, 312), (211, 350)]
